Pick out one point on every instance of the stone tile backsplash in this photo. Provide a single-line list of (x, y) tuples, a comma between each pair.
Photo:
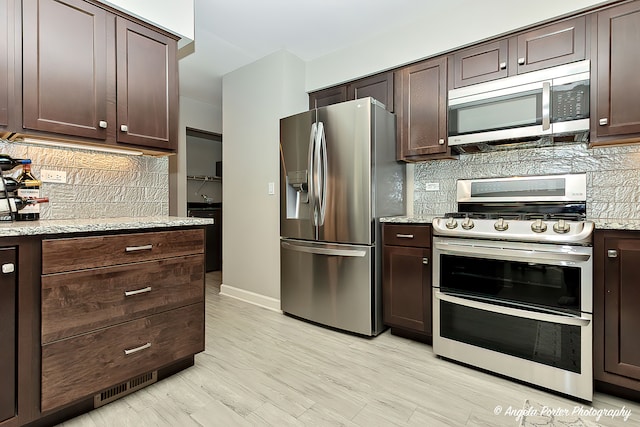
[(613, 176), (99, 185)]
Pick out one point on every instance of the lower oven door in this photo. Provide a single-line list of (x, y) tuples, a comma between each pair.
[(513, 309)]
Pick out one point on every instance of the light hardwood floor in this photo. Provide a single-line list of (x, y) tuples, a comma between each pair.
[(267, 369)]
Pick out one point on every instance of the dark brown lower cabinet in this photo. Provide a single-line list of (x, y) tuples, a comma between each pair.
[(8, 336), (616, 314), (406, 280)]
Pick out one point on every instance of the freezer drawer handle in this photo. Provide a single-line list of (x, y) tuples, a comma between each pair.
[(324, 251), (404, 236), (137, 349), (138, 248)]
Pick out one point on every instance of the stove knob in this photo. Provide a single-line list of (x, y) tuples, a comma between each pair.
[(467, 224), (538, 226), (561, 226), (451, 223), (501, 225)]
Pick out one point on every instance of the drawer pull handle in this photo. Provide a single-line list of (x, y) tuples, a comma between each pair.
[(137, 291), (138, 248), (137, 349), (404, 236)]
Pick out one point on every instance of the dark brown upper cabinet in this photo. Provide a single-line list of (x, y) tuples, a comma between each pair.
[(88, 73), (4, 64), (147, 90), (65, 68), (379, 87), (422, 110), (328, 96), (547, 46), (615, 84), (480, 63)]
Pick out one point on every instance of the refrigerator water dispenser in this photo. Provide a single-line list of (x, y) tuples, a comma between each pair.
[(297, 193)]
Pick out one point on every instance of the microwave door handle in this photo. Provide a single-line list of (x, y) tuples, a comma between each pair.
[(546, 106)]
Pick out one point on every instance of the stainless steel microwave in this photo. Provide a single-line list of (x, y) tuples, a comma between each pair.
[(553, 101)]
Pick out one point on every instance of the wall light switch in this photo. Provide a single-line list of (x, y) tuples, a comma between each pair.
[(59, 177), (272, 188), (432, 186)]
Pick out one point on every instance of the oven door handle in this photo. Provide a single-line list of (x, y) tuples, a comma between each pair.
[(531, 255), (536, 315)]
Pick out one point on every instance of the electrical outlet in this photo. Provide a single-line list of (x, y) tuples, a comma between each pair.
[(432, 186), (59, 177)]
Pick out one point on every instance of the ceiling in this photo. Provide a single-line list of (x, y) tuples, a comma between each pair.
[(231, 34)]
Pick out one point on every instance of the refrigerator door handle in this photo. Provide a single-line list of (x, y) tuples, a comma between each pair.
[(324, 251), (311, 174), (321, 147)]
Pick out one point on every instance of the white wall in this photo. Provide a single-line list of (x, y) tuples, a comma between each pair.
[(175, 16), (197, 115), (434, 34), (255, 97)]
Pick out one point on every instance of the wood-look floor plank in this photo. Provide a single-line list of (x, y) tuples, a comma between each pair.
[(263, 368)]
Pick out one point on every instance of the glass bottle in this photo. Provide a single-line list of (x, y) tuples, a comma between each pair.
[(31, 211)]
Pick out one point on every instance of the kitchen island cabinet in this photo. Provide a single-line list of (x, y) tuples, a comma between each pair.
[(615, 312), (90, 73), (406, 279), (615, 110)]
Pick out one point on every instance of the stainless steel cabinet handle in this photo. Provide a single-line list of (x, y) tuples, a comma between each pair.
[(503, 65), (138, 248), (612, 253), (137, 349), (404, 236), (8, 268), (441, 141), (425, 261), (137, 291), (102, 124), (124, 128), (521, 61), (603, 121)]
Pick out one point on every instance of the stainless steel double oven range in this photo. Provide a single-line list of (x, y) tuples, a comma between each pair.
[(512, 281)]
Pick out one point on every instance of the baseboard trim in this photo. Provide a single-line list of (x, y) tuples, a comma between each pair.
[(251, 297)]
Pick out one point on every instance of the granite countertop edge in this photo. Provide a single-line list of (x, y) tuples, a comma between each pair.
[(62, 226), (600, 223)]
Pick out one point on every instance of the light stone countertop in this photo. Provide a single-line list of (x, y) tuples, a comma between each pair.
[(61, 226), (600, 224)]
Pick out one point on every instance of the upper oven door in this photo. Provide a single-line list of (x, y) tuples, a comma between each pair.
[(541, 277)]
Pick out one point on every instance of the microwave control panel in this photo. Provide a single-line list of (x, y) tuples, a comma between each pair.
[(570, 102)]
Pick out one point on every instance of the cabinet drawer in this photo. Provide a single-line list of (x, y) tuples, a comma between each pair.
[(81, 301), (84, 365), (59, 255), (407, 235)]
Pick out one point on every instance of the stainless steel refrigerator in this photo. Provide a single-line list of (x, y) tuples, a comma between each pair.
[(338, 176)]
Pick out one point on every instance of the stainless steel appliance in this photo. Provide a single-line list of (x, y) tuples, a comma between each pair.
[(549, 102), (338, 175), (512, 281)]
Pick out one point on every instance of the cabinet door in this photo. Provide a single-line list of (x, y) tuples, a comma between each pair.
[(147, 87), (480, 64), (5, 36), (65, 67), (617, 87), (621, 314), (551, 45), (406, 287), (422, 120), (8, 334), (379, 87), (329, 96)]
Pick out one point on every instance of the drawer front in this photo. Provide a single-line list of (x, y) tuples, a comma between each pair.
[(81, 301), (59, 255), (407, 235), (82, 366)]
